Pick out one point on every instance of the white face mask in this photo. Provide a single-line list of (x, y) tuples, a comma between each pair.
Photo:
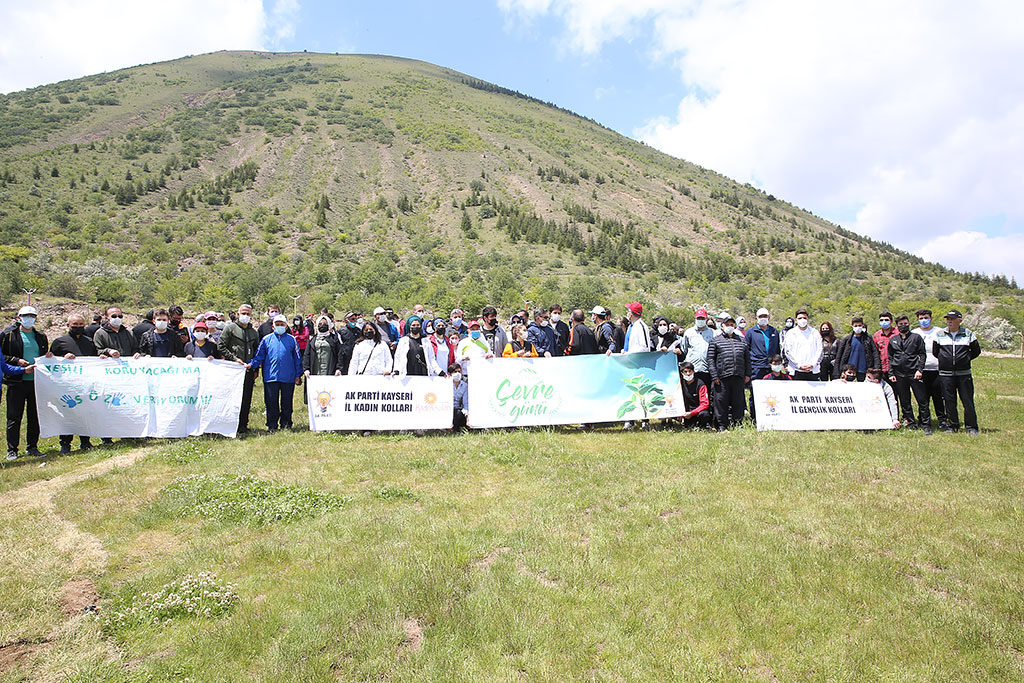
[(555, 317), (456, 322), (200, 336), (457, 376), (161, 325), (858, 330), (688, 378), (543, 323), (662, 330), (701, 323), (244, 318), (221, 324), (115, 322), (360, 322), (728, 329), (801, 323), (776, 368), (742, 324), (763, 322)]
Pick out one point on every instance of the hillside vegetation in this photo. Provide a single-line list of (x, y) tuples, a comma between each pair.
[(356, 180)]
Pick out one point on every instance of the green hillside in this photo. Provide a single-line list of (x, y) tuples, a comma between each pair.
[(356, 180)]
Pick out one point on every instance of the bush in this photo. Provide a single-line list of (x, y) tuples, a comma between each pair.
[(193, 596), (243, 499), (109, 290)]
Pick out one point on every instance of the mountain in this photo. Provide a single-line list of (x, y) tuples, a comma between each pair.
[(354, 180)]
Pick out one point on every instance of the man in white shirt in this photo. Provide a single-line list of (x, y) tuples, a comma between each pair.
[(803, 349), (638, 336)]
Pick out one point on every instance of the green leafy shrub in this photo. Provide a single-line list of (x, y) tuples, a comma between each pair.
[(192, 596), (243, 499)]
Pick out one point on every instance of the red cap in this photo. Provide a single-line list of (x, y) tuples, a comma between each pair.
[(635, 308), (476, 323), (200, 326), (701, 313)]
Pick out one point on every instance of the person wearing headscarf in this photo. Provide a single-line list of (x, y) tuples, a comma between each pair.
[(412, 355), (371, 355), (322, 355)]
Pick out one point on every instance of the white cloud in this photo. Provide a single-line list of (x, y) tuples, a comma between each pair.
[(911, 113), (50, 40), (973, 251)]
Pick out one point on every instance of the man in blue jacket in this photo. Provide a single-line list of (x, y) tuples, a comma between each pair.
[(762, 342), (540, 334), (283, 372)]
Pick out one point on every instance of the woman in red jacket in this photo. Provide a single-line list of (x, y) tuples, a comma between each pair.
[(301, 333)]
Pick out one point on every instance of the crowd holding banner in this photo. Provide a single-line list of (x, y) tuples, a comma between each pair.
[(165, 379)]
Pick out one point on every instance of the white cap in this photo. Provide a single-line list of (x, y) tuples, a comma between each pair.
[(27, 310), (280, 319), (762, 311), (724, 315), (378, 310), (598, 310)]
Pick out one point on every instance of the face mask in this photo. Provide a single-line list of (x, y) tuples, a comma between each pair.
[(415, 331), (925, 322), (789, 324), (28, 321), (492, 322), (221, 324), (688, 378), (429, 330), (200, 336), (360, 322), (825, 332), (662, 330), (701, 323), (115, 322), (802, 323), (457, 376), (776, 368), (885, 324), (850, 378), (763, 322), (161, 325), (544, 323), (456, 322), (77, 331), (475, 334), (244, 318), (272, 314), (368, 334), (382, 318), (858, 330), (742, 325), (728, 329), (280, 329), (323, 328), (439, 332), (903, 328), (555, 317)]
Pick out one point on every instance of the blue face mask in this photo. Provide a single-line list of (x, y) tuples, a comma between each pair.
[(885, 324), (28, 321), (925, 322), (475, 334), (279, 329)]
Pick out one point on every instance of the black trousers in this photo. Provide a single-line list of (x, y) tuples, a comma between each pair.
[(934, 390), (905, 386), (243, 411), (66, 439), (729, 401), (701, 420), (806, 376), (458, 421), (278, 397), (21, 399), (964, 386)]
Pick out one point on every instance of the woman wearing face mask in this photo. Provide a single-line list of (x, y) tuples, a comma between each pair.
[(520, 346), (300, 333), (441, 346), (322, 355), (662, 338), (829, 348), (371, 355), (161, 342), (203, 346), (413, 355)]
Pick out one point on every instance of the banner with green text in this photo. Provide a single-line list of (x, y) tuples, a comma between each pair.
[(518, 392), (123, 397)]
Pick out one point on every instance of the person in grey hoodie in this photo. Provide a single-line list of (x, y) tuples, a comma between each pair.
[(114, 339)]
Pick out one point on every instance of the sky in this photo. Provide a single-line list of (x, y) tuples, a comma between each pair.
[(901, 121)]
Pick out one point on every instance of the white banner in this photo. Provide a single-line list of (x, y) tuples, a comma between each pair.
[(379, 402), (795, 405), (124, 397)]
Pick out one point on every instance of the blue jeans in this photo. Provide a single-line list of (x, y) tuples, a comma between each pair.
[(278, 397)]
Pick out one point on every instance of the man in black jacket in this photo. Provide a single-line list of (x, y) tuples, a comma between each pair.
[(74, 344), (560, 328), (144, 326), (114, 339), (348, 335), (729, 365), (581, 340), (21, 344), (955, 347), (604, 331), (906, 368), (97, 323)]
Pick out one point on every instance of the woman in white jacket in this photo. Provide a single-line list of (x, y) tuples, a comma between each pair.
[(370, 356), (413, 346)]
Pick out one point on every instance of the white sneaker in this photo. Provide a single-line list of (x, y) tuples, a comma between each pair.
[(627, 425)]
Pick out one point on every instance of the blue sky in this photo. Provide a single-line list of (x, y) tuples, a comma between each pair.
[(901, 121)]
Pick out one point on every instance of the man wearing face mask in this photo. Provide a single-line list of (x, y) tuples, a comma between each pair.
[(203, 346), (495, 337), (955, 347), (114, 339), (348, 335), (238, 344), (560, 328), (387, 332), (540, 334), (267, 326), (906, 364), (930, 375), (280, 353), (886, 331), (857, 349), (604, 331), (762, 342), (21, 344), (161, 341), (729, 365), (457, 325), (696, 401), (74, 344), (143, 326), (802, 349), (413, 356), (694, 345), (472, 348), (175, 316)]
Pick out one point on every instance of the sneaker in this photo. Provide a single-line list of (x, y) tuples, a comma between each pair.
[(949, 430), (927, 430), (12, 455), (627, 425), (106, 442), (65, 450), (972, 432), (645, 425), (34, 452)]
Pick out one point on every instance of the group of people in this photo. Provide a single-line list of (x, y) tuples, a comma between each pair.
[(718, 357)]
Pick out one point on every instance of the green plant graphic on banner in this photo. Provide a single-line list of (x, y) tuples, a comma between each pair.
[(647, 395)]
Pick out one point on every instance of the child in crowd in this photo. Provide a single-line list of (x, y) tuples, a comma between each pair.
[(875, 375), (461, 398)]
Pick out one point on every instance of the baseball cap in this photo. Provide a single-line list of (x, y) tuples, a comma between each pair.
[(379, 310), (598, 310), (280, 318), (474, 323), (636, 308), (723, 316), (200, 325), (762, 311), (701, 313), (952, 314), (27, 310)]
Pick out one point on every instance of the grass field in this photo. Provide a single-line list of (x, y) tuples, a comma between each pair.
[(525, 555)]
